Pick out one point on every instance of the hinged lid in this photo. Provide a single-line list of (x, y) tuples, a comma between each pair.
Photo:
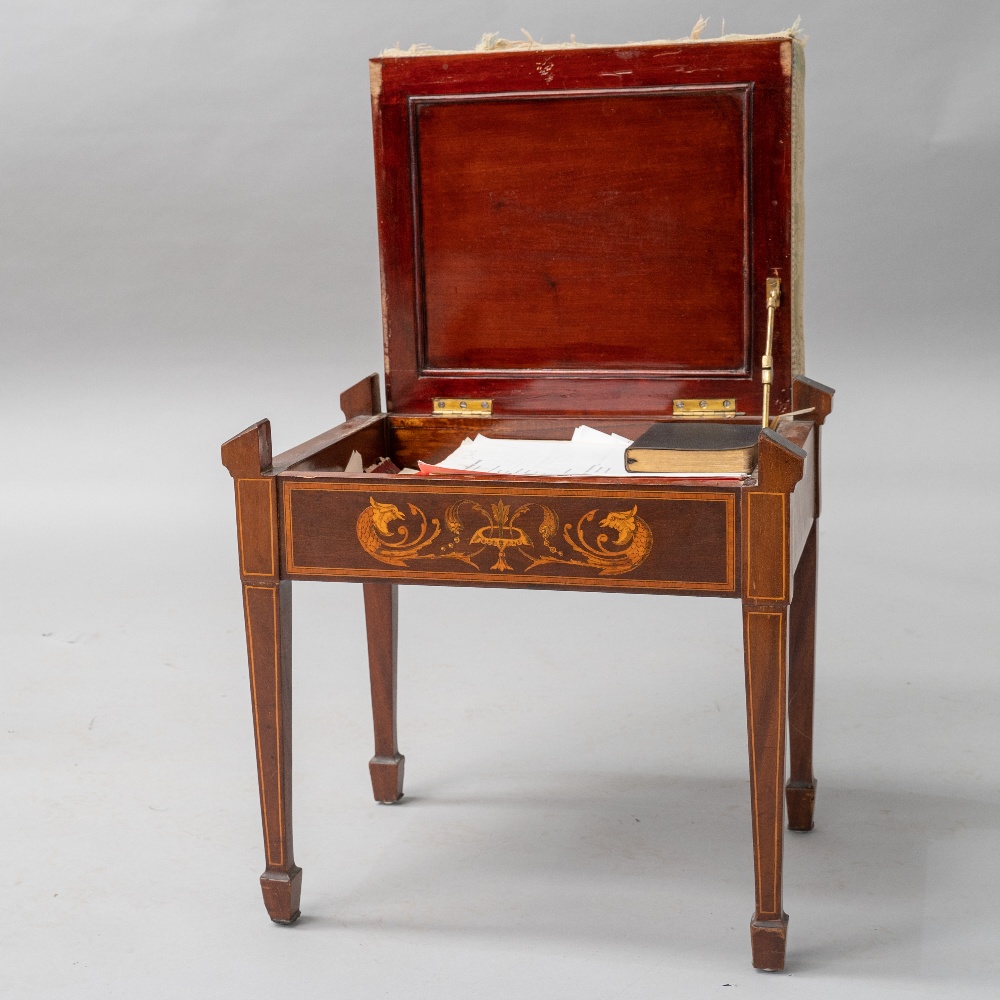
[(589, 229)]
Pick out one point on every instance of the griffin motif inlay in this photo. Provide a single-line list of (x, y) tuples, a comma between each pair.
[(491, 539)]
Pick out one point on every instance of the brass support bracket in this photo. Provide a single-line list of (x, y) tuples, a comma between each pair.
[(766, 362)]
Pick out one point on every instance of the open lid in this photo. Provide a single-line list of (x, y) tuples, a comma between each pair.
[(589, 229)]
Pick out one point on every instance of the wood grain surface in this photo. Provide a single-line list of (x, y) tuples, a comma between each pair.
[(404, 532), (593, 236)]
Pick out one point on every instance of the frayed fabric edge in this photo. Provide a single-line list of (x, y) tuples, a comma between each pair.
[(492, 42)]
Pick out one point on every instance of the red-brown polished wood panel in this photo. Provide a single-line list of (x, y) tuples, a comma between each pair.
[(255, 515), (529, 536), (606, 231), (461, 169)]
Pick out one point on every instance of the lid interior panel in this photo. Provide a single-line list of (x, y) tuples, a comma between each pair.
[(594, 238), (583, 232)]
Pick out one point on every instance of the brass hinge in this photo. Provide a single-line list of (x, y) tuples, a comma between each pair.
[(713, 408), (463, 408)]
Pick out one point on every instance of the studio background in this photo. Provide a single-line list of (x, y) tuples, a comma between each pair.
[(188, 245)]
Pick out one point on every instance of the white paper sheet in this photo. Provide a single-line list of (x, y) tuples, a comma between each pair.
[(590, 452)]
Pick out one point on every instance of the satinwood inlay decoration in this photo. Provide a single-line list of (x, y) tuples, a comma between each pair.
[(532, 535)]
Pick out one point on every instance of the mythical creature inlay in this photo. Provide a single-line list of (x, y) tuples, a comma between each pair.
[(500, 541)]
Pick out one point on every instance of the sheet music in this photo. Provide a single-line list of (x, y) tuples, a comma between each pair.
[(589, 452)]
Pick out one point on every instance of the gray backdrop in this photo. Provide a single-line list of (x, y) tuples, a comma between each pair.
[(188, 245)]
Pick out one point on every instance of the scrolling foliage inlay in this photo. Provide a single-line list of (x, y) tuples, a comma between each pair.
[(490, 539)]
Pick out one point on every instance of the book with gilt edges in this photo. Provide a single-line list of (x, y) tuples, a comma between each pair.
[(706, 448)]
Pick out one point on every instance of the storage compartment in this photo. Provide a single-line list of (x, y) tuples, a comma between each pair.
[(409, 439)]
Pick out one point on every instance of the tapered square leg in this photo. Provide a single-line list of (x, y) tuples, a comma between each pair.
[(269, 631), (381, 621), (267, 611), (801, 790), (765, 638)]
